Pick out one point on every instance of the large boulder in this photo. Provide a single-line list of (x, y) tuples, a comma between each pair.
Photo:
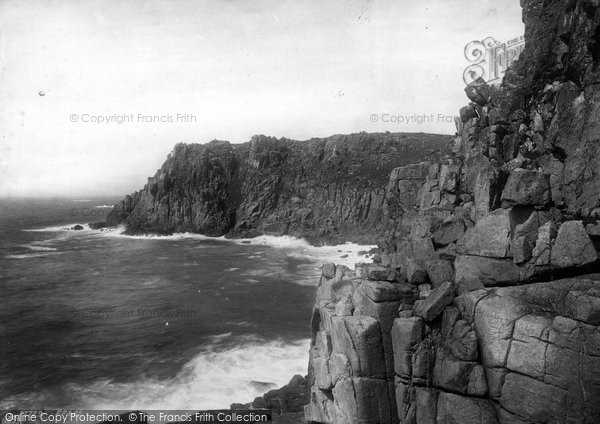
[(413, 255), (525, 234), (525, 187), (573, 246), (406, 335), (449, 231), (439, 271), (490, 236), (478, 91), (476, 272), (359, 338), (540, 255)]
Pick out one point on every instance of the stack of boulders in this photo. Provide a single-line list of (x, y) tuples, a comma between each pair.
[(482, 304)]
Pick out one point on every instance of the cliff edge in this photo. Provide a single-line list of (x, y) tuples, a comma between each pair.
[(484, 305), (326, 190)]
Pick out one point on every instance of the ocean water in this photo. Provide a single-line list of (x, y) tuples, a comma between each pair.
[(97, 319)]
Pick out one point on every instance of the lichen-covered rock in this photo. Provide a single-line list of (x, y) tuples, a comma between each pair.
[(328, 270), (525, 235), (532, 399), (406, 335), (439, 271), (449, 231), (476, 272), (478, 91), (584, 305), (490, 236), (359, 338), (462, 341), (540, 254), (362, 400), (459, 376), (573, 246), (452, 408), (527, 188)]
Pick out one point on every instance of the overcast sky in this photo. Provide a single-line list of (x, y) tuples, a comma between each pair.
[(295, 69)]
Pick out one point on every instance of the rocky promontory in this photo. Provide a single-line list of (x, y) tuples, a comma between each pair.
[(326, 190), (483, 306)]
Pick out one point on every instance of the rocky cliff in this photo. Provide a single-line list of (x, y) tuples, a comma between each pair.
[(328, 189), (483, 306)]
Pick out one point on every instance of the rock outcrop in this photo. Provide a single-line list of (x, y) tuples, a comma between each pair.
[(523, 354), (285, 404), (489, 310), (327, 190)]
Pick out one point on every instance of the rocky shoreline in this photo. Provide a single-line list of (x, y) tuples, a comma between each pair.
[(326, 190)]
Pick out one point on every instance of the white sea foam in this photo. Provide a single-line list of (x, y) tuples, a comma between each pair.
[(38, 248), (343, 254), (120, 233), (213, 379), (31, 255), (347, 254), (59, 228)]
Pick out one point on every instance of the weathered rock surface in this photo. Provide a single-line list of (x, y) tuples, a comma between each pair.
[(527, 353), (288, 399), (573, 246), (527, 188), (336, 188), (490, 236), (436, 302), (510, 220)]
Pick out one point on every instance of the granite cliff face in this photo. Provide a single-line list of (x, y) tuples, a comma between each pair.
[(322, 189), (483, 305)]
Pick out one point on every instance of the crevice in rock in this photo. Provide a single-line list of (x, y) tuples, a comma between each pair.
[(594, 46)]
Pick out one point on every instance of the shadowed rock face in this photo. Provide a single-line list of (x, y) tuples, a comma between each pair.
[(496, 316), (330, 189)]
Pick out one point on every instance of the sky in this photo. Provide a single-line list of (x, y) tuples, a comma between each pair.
[(96, 93)]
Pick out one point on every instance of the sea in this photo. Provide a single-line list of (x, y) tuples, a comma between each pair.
[(95, 319)]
